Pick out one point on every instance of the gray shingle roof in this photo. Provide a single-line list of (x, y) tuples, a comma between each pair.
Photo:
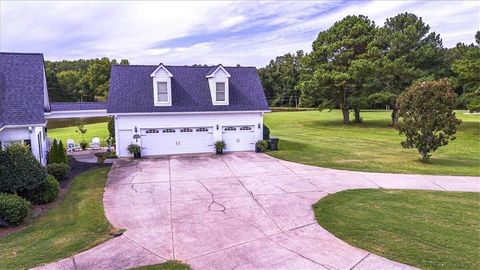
[(21, 89), (77, 106), (131, 90)]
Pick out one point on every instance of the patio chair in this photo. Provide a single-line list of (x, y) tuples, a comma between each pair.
[(95, 144), (71, 146)]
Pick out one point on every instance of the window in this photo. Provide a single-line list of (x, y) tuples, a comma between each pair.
[(151, 131), (230, 129), (169, 130), (162, 92), (186, 130), (245, 128), (202, 130), (220, 91)]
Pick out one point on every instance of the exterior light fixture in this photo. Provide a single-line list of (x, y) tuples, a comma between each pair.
[(259, 125), (136, 130), (30, 129), (217, 127)]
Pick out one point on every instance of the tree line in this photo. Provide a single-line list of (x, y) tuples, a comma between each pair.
[(356, 64), (79, 80)]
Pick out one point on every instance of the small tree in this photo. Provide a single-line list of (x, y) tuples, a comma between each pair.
[(428, 117), (62, 153), (53, 153), (81, 130)]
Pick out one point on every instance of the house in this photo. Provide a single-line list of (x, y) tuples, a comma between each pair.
[(23, 101), (186, 109)]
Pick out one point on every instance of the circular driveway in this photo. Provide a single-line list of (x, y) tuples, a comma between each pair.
[(237, 211)]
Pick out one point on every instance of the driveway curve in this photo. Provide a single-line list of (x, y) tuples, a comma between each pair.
[(237, 211)]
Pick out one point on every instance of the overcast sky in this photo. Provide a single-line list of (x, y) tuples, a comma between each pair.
[(184, 33)]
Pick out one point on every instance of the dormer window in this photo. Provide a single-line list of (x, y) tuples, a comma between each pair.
[(218, 78), (220, 91), (162, 92), (162, 86)]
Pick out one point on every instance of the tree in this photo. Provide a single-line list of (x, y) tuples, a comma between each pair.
[(405, 51), (69, 82), (428, 117), (279, 79), (330, 74), (62, 153), (81, 130), (53, 153), (98, 76)]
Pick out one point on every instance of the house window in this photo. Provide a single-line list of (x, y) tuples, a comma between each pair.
[(245, 128), (202, 130), (186, 130), (169, 130), (162, 92), (151, 131), (220, 91), (230, 129)]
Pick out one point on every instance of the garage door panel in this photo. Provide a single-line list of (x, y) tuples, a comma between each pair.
[(177, 140), (239, 138)]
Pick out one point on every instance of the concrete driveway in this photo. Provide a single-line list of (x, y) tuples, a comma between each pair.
[(242, 211)]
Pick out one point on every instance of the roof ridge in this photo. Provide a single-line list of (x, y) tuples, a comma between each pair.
[(186, 66), (21, 53)]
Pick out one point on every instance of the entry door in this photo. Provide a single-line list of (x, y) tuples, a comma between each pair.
[(239, 138)]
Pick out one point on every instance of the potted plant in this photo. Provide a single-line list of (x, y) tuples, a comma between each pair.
[(261, 146), (219, 146), (83, 145), (135, 150)]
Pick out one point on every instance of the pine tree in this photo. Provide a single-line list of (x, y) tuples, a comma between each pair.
[(52, 154), (62, 153)]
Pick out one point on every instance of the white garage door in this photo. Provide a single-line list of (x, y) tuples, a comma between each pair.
[(164, 141), (239, 138)]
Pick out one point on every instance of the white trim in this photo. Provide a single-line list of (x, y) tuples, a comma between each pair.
[(172, 113), (161, 66), (216, 70), (22, 126), (75, 114), (156, 102)]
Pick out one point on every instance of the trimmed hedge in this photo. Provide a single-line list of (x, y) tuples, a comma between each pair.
[(47, 192), (58, 170), (13, 209)]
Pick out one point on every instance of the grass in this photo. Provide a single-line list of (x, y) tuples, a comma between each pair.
[(319, 139), (76, 224), (168, 265), (99, 130), (426, 229)]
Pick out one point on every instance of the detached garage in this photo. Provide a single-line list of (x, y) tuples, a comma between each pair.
[(182, 109)]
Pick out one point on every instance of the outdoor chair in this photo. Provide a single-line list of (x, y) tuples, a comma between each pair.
[(71, 146), (95, 144)]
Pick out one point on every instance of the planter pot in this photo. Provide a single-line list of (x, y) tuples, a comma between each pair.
[(258, 150), (219, 151), (273, 143), (137, 155)]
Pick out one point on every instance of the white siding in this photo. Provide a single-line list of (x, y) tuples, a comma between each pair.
[(18, 134), (129, 122)]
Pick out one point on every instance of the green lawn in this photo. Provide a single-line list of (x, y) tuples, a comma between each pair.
[(93, 130), (169, 265), (76, 224), (320, 139), (426, 229)]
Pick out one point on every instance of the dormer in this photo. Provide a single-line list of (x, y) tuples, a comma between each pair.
[(218, 83), (162, 86)]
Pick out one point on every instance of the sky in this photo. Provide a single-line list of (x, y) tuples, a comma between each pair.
[(185, 33)]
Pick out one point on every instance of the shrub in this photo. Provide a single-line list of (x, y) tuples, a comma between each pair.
[(134, 148), (261, 145), (19, 169), (58, 170), (13, 209), (266, 133), (52, 154), (62, 153), (45, 193), (428, 117), (111, 127)]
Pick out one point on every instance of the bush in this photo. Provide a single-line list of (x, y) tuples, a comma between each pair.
[(62, 153), (57, 153), (266, 133), (261, 145), (429, 121), (111, 127), (45, 193), (58, 170), (19, 169), (13, 209), (134, 148)]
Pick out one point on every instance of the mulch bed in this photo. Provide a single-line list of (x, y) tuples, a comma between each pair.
[(38, 210)]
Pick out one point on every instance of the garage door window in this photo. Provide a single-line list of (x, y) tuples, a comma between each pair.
[(230, 129), (202, 130), (186, 130), (152, 131), (245, 128), (169, 130)]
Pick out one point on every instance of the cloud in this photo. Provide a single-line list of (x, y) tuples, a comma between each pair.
[(246, 33)]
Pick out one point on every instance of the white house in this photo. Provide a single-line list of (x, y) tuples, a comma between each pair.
[(23, 101), (185, 109)]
